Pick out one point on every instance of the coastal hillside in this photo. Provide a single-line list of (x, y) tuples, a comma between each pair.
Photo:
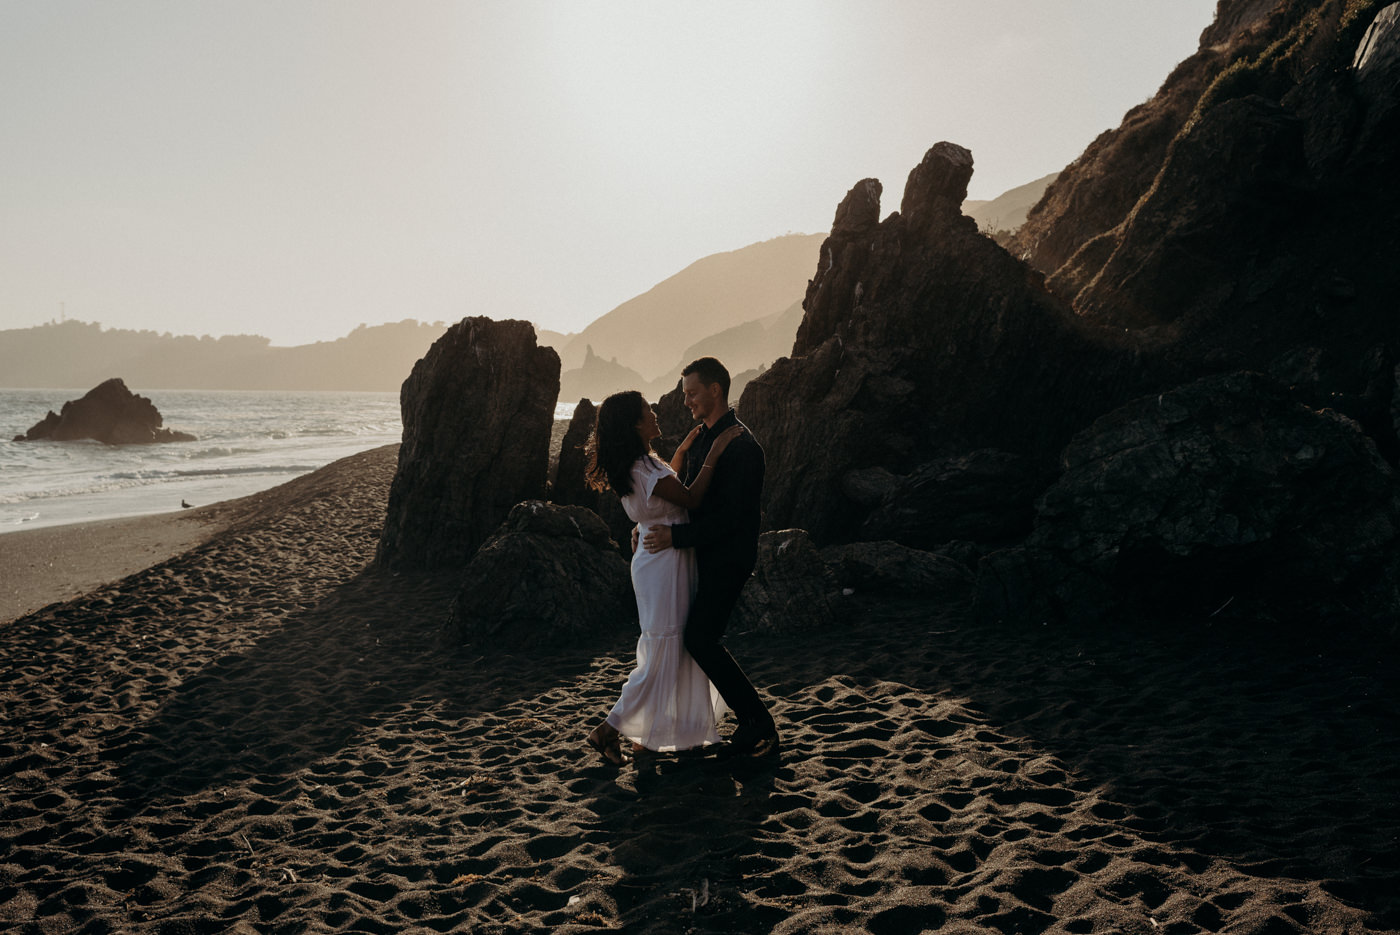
[(1007, 212), (649, 333), (641, 344), (82, 354)]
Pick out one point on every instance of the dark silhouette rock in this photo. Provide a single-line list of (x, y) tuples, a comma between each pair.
[(1029, 585), (571, 484), (570, 480), (1239, 171), (1224, 493), (890, 568), (791, 588), (1232, 226), (1098, 190), (922, 340), (1377, 68), (110, 413), (1237, 216), (477, 414), (983, 496), (870, 486), (674, 419), (549, 578)]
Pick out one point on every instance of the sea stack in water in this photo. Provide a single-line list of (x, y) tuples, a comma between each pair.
[(477, 414), (109, 413)]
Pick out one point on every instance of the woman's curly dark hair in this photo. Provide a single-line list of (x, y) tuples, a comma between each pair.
[(616, 445)]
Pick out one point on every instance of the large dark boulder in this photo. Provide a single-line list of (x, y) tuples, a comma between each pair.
[(477, 414), (110, 413), (549, 578), (888, 568), (1222, 494), (982, 496), (922, 340), (791, 589)]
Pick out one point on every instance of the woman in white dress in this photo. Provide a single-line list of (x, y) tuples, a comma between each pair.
[(667, 702)]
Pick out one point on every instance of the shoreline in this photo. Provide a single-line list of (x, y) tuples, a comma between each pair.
[(52, 564)]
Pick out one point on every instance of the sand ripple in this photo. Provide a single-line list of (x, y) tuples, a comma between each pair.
[(261, 735)]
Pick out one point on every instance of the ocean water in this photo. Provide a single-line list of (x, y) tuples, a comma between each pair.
[(248, 440)]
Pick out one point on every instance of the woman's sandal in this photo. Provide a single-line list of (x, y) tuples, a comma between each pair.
[(610, 750)]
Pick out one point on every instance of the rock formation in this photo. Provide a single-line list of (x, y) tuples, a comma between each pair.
[(983, 496), (1237, 223), (796, 588), (549, 578), (477, 413), (1237, 216), (791, 588), (570, 481), (923, 340), (110, 413), (1224, 493), (1094, 193), (674, 419), (888, 568)]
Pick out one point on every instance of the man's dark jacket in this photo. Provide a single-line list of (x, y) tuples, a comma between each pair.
[(723, 530)]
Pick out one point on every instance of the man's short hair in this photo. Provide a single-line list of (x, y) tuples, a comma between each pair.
[(709, 370)]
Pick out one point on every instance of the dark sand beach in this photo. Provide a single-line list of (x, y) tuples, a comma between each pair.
[(42, 566), (258, 733)]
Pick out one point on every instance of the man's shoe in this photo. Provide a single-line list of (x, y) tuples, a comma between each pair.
[(766, 745), (739, 742), (752, 741)]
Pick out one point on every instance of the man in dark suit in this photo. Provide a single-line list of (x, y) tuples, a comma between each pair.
[(724, 533)]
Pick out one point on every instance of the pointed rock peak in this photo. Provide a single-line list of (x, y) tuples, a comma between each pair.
[(1381, 43), (860, 209), (941, 177)]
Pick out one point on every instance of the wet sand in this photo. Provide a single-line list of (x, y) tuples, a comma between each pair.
[(264, 734), (57, 563)]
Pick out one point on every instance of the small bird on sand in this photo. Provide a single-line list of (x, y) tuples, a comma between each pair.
[(184, 504)]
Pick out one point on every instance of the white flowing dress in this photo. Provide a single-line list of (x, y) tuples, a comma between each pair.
[(667, 702)]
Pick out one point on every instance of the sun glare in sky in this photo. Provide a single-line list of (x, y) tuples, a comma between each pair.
[(294, 169)]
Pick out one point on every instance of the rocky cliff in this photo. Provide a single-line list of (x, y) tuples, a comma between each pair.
[(1240, 215), (1236, 228)]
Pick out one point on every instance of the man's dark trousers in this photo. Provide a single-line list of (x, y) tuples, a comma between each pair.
[(718, 592)]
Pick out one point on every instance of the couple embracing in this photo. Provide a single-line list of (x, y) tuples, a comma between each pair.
[(694, 546)]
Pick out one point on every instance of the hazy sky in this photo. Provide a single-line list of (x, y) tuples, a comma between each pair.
[(294, 168)]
